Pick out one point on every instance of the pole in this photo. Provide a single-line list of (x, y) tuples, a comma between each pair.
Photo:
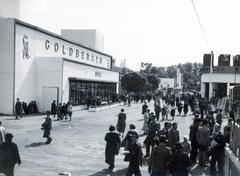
[(210, 77)]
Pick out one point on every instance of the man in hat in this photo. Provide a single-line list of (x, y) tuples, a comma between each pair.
[(9, 156), (180, 162), (18, 109), (135, 153), (217, 145), (192, 137), (203, 136), (47, 127), (173, 136), (121, 124), (160, 158), (112, 147)]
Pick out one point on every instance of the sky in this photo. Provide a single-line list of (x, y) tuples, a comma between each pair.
[(162, 32)]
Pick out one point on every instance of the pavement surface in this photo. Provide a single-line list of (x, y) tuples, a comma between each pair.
[(78, 146)]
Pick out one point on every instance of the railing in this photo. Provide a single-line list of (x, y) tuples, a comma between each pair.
[(232, 157)]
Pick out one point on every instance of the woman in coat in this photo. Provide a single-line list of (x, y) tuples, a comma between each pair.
[(112, 147), (47, 127), (121, 124)]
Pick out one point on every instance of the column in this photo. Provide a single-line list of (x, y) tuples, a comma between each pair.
[(210, 90), (203, 88), (228, 90)]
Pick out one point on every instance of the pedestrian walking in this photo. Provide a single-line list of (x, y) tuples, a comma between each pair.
[(135, 154), (149, 140), (186, 146), (165, 131), (47, 127), (157, 109), (180, 162), (18, 109), (173, 136), (217, 146), (185, 109), (172, 112), (59, 111), (145, 122), (53, 108), (219, 117), (160, 159), (2, 133), (121, 123), (112, 147), (164, 112), (180, 107), (69, 110), (203, 136), (9, 156), (126, 142), (144, 107), (193, 138)]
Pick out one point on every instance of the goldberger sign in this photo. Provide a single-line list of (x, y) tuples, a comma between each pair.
[(72, 52), (34, 42)]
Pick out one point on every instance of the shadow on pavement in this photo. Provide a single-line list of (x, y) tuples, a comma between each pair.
[(140, 120), (199, 171), (106, 172), (35, 144)]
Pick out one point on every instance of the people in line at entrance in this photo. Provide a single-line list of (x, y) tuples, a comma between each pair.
[(9, 156), (53, 108), (47, 127), (18, 109)]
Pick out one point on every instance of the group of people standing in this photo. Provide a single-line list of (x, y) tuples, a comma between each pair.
[(62, 111), (22, 108)]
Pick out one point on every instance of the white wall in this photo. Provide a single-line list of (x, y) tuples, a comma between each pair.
[(48, 74), (84, 72), (10, 8), (220, 77), (7, 65), (87, 37)]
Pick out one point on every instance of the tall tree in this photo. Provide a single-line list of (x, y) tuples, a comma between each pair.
[(133, 82)]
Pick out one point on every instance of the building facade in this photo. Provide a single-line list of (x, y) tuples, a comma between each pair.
[(37, 65), (216, 80)]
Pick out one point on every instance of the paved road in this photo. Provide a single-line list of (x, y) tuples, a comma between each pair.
[(78, 145)]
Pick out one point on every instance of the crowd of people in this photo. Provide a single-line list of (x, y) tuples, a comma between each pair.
[(62, 111), (22, 108), (166, 154)]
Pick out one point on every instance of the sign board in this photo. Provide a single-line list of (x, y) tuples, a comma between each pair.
[(224, 60), (207, 59)]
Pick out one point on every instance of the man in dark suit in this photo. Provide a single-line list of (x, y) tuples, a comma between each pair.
[(217, 145), (18, 109), (9, 156), (160, 158), (135, 153), (173, 136)]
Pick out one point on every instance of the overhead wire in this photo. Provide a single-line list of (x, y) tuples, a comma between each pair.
[(201, 26)]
